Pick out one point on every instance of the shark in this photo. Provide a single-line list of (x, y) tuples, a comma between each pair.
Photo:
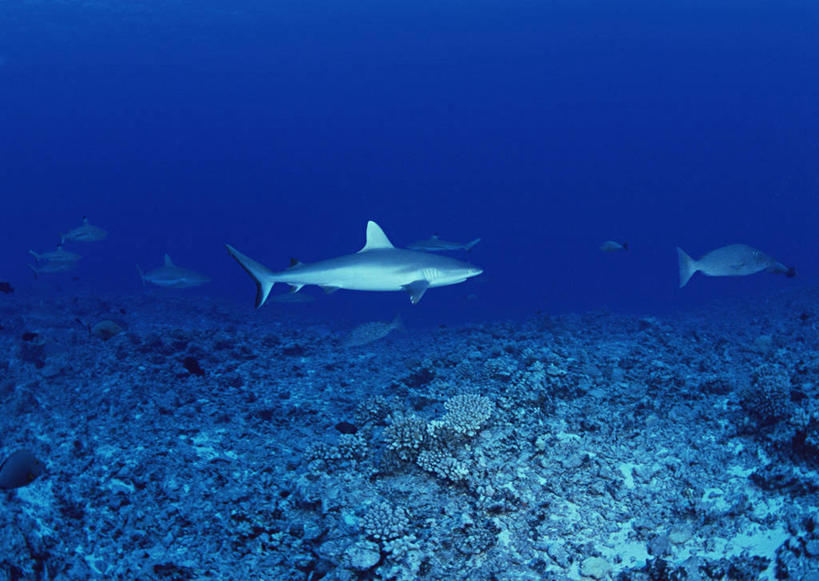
[(59, 255), (378, 266), (435, 244), (85, 232), (170, 275)]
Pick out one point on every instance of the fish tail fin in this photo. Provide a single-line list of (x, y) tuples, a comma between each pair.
[(34, 270), (398, 323), (688, 266), (469, 245), (262, 276), (141, 275)]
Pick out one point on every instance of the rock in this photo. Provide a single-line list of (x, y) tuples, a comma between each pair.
[(679, 534), (659, 546), (363, 555), (558, 554), (595, 567), (812, 548)]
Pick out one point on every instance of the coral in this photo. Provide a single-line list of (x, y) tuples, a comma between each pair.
[(443, 465), (406, 436), (385, 522), (767, 400), (348, 447), (374, 409), (467, 413)]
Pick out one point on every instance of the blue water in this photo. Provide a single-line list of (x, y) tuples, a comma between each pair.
[(544, 128)]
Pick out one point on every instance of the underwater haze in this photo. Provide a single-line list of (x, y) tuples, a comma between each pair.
[(576, 252), (544, 128)]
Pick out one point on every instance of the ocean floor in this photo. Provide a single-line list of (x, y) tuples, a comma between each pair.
[(208, 441)]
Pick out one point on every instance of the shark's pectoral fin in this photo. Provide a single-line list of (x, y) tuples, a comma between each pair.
[(294, 288), (329, 289), (416, 290)]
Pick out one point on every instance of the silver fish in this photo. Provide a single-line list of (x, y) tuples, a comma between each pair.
[(435, 244), (172, 276), (85, 232), (731, 260), (59, 255), (612, 246)]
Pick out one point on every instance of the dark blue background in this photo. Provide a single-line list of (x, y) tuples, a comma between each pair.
[(542, 127)]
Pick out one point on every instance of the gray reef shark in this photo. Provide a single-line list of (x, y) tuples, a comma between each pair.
[(731, 260), (59, 255), (378, 266), (86, 232), (435, 244), (171, 276)]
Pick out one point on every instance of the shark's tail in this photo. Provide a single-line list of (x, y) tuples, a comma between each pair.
[(469, 245), (262, 276), (688, 266)]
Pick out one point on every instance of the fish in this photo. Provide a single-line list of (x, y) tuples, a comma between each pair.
[(59, 255), (435, 244), (52, 267), (612, 246), (730, 260), (170, 275), (86, 232), (19, 469), (5, 287), (378, 266), (369, 332)]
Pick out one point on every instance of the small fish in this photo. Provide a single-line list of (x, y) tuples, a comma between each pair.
[(6, 287), (731, 260), (86, 232), (52, 267), (19, 469), (172, 276), (435, 244), (59, 255), (612, 246), (369, 332)]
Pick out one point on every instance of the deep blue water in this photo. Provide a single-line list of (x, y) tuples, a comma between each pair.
[(544, 128)]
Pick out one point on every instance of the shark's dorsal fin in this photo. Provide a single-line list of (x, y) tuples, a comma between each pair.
[(376, 239), (294, 262), (168, 261)]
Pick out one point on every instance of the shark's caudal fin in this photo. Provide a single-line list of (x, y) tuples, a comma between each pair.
[(469, 245), (262, 276), (688, 266), (375, 238)]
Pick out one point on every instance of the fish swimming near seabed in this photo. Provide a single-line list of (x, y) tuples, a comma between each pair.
[(85, 232), (19, 469), (612, 246), (59, 255), (369, 332), (52, 267), (730, 260), (170, 275), (435, 244), (378, 266)]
